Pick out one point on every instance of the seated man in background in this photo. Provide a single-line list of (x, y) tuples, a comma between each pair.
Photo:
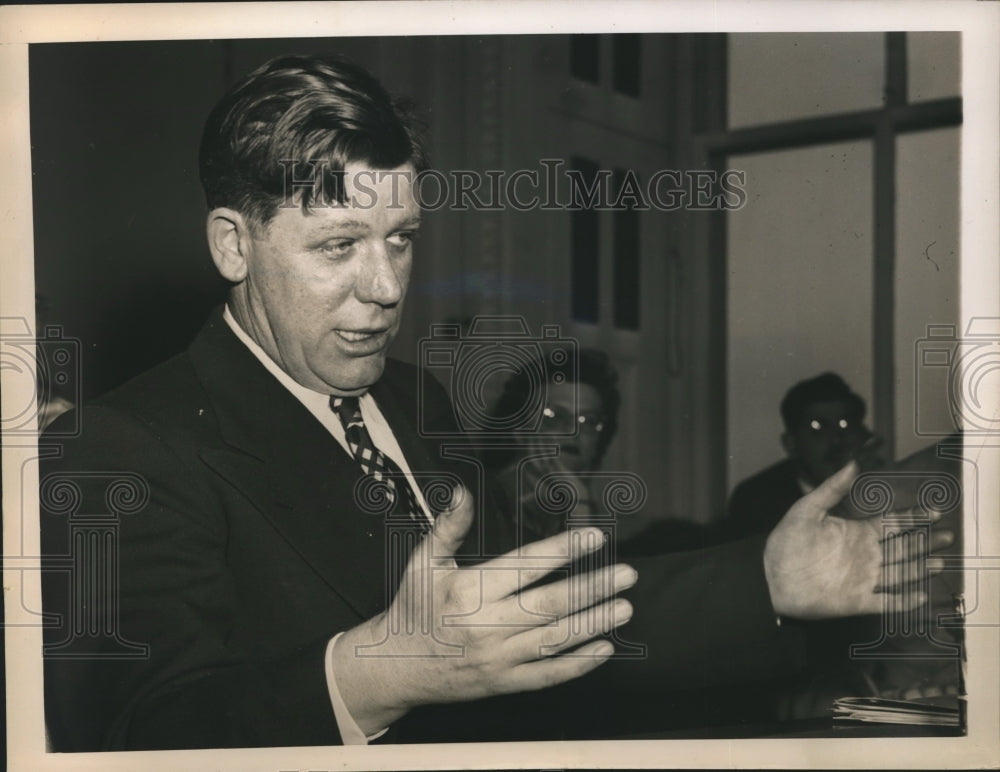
[(824, 429), (578, 422)]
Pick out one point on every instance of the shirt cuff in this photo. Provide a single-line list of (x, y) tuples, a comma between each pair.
[(350, 732)]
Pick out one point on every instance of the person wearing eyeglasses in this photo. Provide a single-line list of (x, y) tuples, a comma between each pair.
[(577, 422)]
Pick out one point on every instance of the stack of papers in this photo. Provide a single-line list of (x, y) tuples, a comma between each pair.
[(931, 711)]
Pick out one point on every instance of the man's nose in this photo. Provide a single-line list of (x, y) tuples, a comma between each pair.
[(838, 441), (378, 281)]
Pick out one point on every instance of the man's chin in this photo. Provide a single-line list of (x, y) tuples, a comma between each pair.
[(357, 376)]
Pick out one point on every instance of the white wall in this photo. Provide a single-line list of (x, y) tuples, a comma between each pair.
[(777, 76), (800, 253), (799, 287), (927, 271)]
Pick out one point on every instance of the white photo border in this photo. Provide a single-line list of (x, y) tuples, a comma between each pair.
[(979, 24)]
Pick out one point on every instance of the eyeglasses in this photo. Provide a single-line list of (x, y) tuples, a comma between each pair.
[(841, 424), (558, 419)]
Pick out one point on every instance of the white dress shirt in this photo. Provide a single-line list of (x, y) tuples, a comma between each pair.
[(318, 404)]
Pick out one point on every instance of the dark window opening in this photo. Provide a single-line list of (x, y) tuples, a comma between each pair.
[(626, 262), (626, 58), (585, 57), (584, 244)]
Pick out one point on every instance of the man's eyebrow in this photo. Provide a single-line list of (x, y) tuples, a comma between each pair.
[(352, 224), (339, 224)]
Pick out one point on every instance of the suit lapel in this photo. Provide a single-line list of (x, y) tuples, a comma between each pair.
[(296, 475)]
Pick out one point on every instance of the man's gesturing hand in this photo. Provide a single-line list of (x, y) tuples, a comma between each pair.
[(818, 565), (455, 634)]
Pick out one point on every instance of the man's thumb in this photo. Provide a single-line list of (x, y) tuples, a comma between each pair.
[(452, 524), (833, 489)]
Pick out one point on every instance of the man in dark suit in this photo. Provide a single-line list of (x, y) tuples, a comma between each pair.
[(249, 545), (824, 429)]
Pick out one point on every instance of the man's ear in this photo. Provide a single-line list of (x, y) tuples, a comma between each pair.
[(229, 243), (788, 443)]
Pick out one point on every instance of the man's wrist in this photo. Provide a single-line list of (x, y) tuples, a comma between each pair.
[(350, 732), (774, 585), (364, 685)]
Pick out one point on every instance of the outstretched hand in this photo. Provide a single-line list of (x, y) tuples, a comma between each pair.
[(453, 634), (818, 565)]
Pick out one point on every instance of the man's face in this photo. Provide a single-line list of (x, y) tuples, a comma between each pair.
[(324, 291), (825, 438), (565, 405)]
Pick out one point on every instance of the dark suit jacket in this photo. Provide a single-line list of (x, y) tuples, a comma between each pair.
[(759, 502), (251, 553)]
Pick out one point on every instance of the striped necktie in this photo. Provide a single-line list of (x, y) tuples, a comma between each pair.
[(372, 460)]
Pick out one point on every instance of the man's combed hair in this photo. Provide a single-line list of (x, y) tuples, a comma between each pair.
[(302, 117)]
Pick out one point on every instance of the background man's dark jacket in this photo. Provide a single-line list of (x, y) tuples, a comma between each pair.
[(759, 502)]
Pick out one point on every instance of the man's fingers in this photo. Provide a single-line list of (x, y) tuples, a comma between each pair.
[(450, 527), (906, 558), (829, 494), (531, 676), (934, 515), (894, 601), (941, 538), (568, 596), (910, 545), (569, 632), (902, 565), (901, 574), (534, 561), (935, 566), (898, 602)]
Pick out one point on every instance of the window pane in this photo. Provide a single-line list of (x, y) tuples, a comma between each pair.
[(927, 276), (584, 57), (799, 287), (626, 262), (933, 63), (781, 76), (627, 59)]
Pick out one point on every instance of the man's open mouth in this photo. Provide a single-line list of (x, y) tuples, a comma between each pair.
[(363, 342), (357, 336)]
